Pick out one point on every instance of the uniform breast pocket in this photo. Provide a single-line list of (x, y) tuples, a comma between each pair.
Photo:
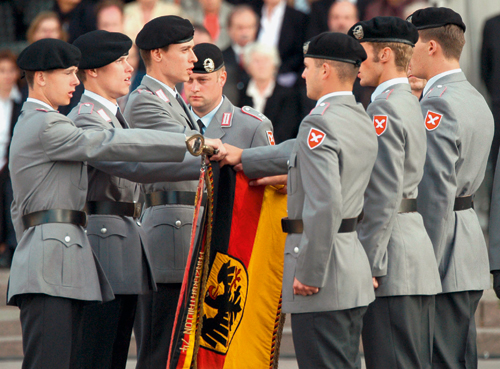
[(107, 236), (170, 237), (292, 174), (64, 255)]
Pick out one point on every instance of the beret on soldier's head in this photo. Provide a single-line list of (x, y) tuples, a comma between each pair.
[(435, 17), (163, 31), (100, 48), (48, 54), (210, 58), (335, 46), (385, 29)]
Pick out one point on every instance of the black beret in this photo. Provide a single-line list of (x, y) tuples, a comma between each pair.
[(209, 58), (385, 29), (100, 48), (335, 46), (163, 31), (49, 54), (435, 17)]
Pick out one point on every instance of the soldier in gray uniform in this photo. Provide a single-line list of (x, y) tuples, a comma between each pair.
[(214, 113), (327, 282), (459, 128), (54, 271), (398, 326), (114, 231), (166, 46)]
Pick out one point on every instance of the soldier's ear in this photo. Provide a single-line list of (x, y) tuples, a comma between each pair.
[(223, 78), (40, 78)]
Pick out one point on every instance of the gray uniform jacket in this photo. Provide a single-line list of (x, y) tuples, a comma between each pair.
[(459, 134), (169, 226), (494, 225), (152, 106), (118, 242), (48, 172), (397, 244), (326, 183)]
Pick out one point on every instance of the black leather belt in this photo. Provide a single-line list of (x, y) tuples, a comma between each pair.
[(123, 209), (408, 206), (297, 226), (463, 203), (55, 216), (171, 198)]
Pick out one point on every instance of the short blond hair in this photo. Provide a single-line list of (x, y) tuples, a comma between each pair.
[(402, 53)]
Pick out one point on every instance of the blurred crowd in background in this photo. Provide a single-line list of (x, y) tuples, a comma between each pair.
[(262, 43)]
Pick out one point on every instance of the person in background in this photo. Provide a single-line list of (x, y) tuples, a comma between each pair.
[(213, 15), (46, 25), (140, 12), (341, 16), (110, 16), (278, 103), (201, 35), (284, 27), (77, 17), (10, 108), (242, 25)]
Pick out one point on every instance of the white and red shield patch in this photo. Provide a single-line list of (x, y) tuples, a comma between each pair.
[(315, 138), (226, 120), (270, 138), (380, 123), (103, 115), (432, 120)]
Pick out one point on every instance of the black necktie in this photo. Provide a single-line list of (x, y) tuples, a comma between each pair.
[(121, 119), (201, 125), (190, 120)]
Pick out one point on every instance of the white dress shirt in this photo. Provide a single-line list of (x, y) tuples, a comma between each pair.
[(385, 85), (438, 76), (208, 117), (260, 99), (332, 94), (270, 24)]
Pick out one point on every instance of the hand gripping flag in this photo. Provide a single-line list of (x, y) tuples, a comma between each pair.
[(238, 302)]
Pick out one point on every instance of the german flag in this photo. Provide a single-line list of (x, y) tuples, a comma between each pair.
[(239, 307)]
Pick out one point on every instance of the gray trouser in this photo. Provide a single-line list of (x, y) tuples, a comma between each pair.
[(328, 339)]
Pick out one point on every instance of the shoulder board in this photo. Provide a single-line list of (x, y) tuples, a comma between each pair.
[(86, 108), (436, 91), (320, 109), (384, 95), (253, 113), (141, 90), (41, 109)]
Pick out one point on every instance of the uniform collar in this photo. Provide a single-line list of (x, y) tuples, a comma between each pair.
[(40, 102), (107, 104), (207, 118), (385, 85), (332, 94), (173, 92), (434, 79)]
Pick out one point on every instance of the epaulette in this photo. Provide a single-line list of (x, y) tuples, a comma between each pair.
[(86, 108), (320, 109), (436, 91), (384, 95), (141, 90), (253, 113), (41, 109)]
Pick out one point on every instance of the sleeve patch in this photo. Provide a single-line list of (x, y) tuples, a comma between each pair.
[(270, 138), (162, 95), (380, 123), (253, 113), (103, 115), (432, 120), (226, 120), (315, 138), (86, 108)]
